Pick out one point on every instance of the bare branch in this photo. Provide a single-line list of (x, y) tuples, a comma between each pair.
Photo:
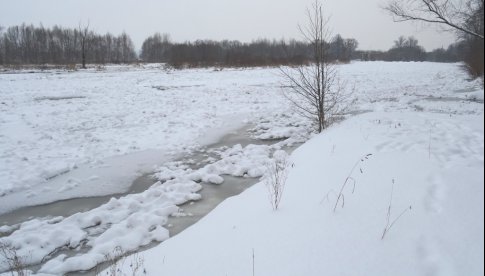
[(442, 12)]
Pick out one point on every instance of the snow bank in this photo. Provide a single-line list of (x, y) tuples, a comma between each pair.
[(439, 175)]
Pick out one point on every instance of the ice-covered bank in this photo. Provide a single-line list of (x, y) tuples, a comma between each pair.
[(436, 164)]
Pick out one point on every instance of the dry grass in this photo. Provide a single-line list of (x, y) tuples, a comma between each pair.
[(348, 180), (116, 261), (389, 223), (14, 262)]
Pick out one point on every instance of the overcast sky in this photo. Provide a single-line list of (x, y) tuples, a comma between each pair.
[(242, 20)]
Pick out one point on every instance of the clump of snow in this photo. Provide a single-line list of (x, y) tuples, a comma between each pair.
[(249, 161), (476, 96), (284, 125), (280, 155), (238, 161)]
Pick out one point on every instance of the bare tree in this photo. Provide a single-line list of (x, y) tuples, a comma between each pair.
[(84, 32), (400, 42), (315, 90), (350, 45), (452, 14)]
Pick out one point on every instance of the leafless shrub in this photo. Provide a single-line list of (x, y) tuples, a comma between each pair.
[(390, 223), (14, 262), (276, 175), (137, 265)]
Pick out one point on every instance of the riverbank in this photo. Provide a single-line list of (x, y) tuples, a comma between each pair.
[(416, 207)]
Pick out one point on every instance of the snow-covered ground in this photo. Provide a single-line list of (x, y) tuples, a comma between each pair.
[(422, 123), (112, 125)]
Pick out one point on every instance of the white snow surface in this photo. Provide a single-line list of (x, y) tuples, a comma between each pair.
[(422, 123), (134, 220), (442, 233), (77, 134)]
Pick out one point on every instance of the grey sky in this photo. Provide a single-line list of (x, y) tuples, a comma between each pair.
[(243, 20)]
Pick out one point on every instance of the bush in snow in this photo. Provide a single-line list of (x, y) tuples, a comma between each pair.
[(276, 175), (10, 258)]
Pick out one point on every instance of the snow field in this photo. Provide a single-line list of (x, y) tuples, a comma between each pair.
[(423, 123), (55, 122)]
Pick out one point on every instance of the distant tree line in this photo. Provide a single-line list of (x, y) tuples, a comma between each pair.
[(262, 52), (408, 49), (27, 44)]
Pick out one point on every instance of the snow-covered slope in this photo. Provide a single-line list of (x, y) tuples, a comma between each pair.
[(436, 164)]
